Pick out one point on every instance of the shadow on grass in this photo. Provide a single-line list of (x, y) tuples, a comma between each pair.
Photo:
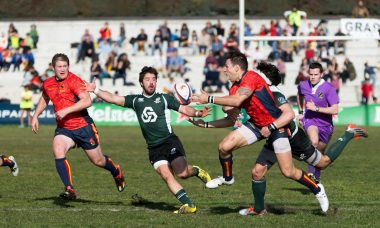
[(303, 191), (64, 203), (139, 201), (225, 210)]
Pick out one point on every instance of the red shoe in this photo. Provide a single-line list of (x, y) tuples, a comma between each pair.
[(69, 194), (251, 211), (358, 132), (119, 180)]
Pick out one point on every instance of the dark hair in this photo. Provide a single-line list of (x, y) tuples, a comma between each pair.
[(146, 70), (271, 71), (60, 57), (238, 58), (316, 65)]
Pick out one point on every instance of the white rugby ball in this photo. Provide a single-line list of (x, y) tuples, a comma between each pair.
[(182, 92)]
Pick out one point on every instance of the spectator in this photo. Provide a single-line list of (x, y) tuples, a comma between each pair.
[(204, 42), (216, 44), (14, 41), (87, 49), (105, 48), (165, 32), (34, 34), (157, 42), (194, 42), (11, 29), (339, 45), (16, 60), (232, 44), (212, 79), (96, 71), (257, 55), (219, 28), (303, 74), (294, 19), (370, 73), (3, 42), (169, 87), (367, 90), (360, 11), (28, 58), (210, 29), (122, 36), (348, 72), (335, 82), (110, 63), (160, 63), (48, 72), (141, 43), (176, 64), (105, 33), (26, 106), (121, 69), (281, 70), (170, 52), (309, 53), (184, 36)]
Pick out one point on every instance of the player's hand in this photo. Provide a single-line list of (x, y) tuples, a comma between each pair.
[(265, 132), (311, 106), (90, 87), (198, 123), (61, 114), (205, 111), (233, 114), (34, 125), (201, 98)]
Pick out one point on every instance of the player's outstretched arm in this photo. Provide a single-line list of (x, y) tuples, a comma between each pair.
[(228, 121), (42, 103), (192, 112), (232, 100), (105, 95), (83, 103)]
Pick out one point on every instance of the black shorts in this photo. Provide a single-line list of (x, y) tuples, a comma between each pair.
[(302, 149), (86, 137), (169, 150)]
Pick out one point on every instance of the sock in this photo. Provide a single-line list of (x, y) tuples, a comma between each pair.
[(226, 167), (182, 197), (317, 173), (110, 166), (258, 190), (195, 171), (337, 148), (64, 171), (6, 161), (311, 169), (309, 183)]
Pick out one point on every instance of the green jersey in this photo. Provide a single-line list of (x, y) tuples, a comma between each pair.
[(153, 113), (280, 99)]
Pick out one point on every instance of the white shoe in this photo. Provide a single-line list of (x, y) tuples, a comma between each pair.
[(214, 183), (15, 169), (322, 198)]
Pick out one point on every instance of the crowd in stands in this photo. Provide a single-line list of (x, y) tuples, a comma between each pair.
[(109, 53)]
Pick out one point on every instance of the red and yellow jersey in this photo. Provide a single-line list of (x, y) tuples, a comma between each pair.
[(63, 94), (260, 106)]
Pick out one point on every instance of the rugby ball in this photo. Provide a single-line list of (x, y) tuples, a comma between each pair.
[(182, 92)]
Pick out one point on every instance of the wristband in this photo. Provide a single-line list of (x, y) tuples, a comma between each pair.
[(300, 112), (205, 125), (210, 99), (272, 127), (197, 114), (317, 108)]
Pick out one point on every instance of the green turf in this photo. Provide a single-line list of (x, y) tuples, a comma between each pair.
[(30, 200)]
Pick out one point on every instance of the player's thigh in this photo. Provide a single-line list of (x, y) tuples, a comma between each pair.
[(245, 135), (313, 133), (61, 145)]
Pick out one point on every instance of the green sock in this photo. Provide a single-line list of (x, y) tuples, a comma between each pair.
[(182, 197), (336, 149), (258, 189)]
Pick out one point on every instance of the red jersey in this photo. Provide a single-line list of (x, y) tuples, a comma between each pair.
[(63, 94), (366, 89), (260, 106)]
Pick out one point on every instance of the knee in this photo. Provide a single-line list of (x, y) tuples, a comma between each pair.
[(257, 173), (224, 148), (99, 161)]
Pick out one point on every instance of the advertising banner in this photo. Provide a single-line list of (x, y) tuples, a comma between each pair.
[(360, 27)]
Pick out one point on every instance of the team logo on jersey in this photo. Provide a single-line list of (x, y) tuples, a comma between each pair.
[(172, 151), (158, 100), (302, 156), (92, 141), (148, 115), (281, 100), (320, 95), (141, 99)]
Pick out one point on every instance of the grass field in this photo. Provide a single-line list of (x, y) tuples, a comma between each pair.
[(30, 200)]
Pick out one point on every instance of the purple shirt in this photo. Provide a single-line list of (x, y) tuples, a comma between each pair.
[(322, 94)]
